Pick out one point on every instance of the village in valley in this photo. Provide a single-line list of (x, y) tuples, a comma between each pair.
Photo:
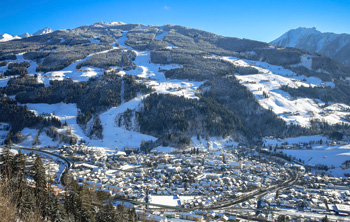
[(229, 183)]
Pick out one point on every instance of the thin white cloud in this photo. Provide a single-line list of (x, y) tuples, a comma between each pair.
[(166, 7)]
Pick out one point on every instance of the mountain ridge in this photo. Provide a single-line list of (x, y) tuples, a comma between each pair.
[(335, 46), (7, 37)]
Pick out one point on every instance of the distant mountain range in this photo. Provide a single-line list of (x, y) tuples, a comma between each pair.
[(7, 37), (335, 46)]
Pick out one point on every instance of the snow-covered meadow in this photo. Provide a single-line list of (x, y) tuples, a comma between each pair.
[(320, 153), (333, 157)]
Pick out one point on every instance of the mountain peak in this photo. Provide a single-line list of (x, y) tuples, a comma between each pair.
[(330, 44), (25, 35), (305, 28), (117, 23), (43, 31), (7, 37)]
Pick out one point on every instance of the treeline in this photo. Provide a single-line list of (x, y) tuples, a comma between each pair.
[(21, 201), (20, 117)]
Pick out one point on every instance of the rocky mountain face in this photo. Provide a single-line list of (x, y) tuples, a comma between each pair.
[(117, 84), (335, 46)]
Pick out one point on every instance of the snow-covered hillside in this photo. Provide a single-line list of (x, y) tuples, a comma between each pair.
[(113, 136), (336, 46), (266, 84)]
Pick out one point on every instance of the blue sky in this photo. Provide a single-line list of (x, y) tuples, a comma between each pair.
[(262, 20)]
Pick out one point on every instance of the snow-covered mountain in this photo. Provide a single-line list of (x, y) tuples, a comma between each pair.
[(7, 37), (25, 35), (43, 31), (132, 85), (335, 46)]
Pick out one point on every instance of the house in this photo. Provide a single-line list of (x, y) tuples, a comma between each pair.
[(193, 217), (343, 208), (235, 165), (129, 150), (113, 188)]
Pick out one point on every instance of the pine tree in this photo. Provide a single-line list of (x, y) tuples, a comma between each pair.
[(38, 174), (106, 214), (325, 219), (54, 208), (132, 215), (28, 206), (19, 180), (6, 167)]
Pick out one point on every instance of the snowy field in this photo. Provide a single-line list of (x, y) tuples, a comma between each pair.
[(330, 156)]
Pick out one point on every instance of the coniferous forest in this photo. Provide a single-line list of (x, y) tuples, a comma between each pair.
[(36, 201)]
